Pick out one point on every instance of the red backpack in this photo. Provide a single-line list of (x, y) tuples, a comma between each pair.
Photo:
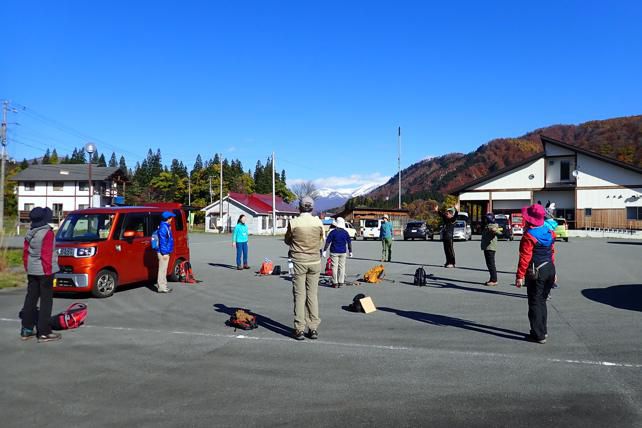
[(266, 267), (328, 267), (185, 273), (72, 317)]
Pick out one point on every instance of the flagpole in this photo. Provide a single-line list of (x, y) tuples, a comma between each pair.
[(399, 161), (273, 197)]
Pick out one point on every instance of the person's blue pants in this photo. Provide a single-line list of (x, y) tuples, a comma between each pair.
[(241, 250)]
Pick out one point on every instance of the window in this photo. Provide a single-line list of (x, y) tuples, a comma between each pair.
[(58, 186), (135, 222), (30, 186), (178, 220), (565, 170), (83, 206), (29, 207), (57, 210), (634, 213), (83, 186), (264, 221), (588, 212)]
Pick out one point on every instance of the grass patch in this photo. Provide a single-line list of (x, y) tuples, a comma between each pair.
[(10, 279)]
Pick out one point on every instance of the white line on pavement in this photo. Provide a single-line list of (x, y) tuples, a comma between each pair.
[(351, 345)]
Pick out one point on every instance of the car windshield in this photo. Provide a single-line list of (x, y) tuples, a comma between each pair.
[(501, 221), (86, 227), (414, 225), (372, 223), (460, 224)]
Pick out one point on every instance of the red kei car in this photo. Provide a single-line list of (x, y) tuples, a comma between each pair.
[(100, 249)]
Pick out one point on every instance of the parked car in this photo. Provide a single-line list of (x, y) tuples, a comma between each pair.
[(417, 230), (561, 231), (351, 231), (100, 249), (518, 230), (505, 227), (462, 232), (371, 229)]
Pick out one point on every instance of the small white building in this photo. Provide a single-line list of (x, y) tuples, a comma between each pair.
[(65, 188), (589, 190), (258, 213)]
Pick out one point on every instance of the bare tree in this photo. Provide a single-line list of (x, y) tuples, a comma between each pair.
[(304, 188)]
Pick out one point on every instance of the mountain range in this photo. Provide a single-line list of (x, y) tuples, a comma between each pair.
[(618, 138), (332, 198)]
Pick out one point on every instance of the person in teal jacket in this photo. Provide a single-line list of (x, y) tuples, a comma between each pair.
[(385, 233), (239, 241)]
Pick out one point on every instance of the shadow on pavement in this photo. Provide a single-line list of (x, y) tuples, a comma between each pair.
[(468, 268), (624, 243), (261, 320), (443, 320), (626, 296), (222, 265)]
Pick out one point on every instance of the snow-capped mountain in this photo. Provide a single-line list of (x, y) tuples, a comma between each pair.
[(332, 198)]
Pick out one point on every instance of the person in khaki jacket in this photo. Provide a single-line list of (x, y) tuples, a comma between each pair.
[(305, 237)]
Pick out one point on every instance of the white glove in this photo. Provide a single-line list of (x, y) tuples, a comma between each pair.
[(350, 255), (325, 254)]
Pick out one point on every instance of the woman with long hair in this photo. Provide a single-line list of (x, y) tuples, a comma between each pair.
[(239, 241)]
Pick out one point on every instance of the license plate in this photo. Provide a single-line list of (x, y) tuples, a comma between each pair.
[(414, 230)]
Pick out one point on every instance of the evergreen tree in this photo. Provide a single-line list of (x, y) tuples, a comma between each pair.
[(54, 158), (95, 158), (112, 160), (101, 161), (217, 160), (283, 176), (46, 159), (34, 161), (122, 164), (198, 164), (24, 164)]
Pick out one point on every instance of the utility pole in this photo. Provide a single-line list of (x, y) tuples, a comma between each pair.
[(399, 161), (3, 140), (273, 196), (189, 199), (220, 199), (210, 189)]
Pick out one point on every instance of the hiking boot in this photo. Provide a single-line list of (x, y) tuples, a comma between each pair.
[(165, 291), (450, 266), (341, 284), (51, 337), (298, 335), (239, 267), (491, 283), (27, 333), (533, 339), (335, 285), (313, 334), (246, 267)]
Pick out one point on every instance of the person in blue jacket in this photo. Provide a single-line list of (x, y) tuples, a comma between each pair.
[(239, 241), (165, 248)]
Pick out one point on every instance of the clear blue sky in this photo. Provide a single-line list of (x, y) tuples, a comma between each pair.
[(323, 83)]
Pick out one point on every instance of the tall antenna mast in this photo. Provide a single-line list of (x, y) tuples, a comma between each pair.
[(399, 161)]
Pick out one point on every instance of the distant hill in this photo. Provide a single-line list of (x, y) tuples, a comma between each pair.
[(619, 138)]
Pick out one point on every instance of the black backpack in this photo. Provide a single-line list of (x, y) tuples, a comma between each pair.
[(421, 277), (355, 306)]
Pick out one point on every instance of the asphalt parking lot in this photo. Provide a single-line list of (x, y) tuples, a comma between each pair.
[(450, 354)]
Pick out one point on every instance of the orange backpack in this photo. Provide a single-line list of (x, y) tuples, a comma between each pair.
[(266, 267)]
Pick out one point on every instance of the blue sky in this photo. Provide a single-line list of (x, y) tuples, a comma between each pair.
[(323, 83)]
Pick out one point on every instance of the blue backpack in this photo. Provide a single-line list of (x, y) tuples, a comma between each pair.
[(155, 240)]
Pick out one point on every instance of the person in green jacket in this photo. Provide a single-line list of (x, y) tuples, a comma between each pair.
[(239, 241), (385, 233), (489, 246)]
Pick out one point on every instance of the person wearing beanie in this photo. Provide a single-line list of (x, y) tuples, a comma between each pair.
[(489, 246), (41, 263), (165, 248), (385, 233), (340, 245), (305, 236), (536, 269), (449, 217)]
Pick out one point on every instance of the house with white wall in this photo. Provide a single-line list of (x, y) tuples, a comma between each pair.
[(65, 188), (258, 213), (589, 190)]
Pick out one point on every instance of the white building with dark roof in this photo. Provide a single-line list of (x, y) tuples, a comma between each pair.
[(65, 188), (589, 190)]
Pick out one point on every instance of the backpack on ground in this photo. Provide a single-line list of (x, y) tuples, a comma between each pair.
[(421, 277), (374, 275), (185, 273), (266, 267), (328, 267), (276, 270), (155, 240), (355, 306), (243, 320), (72, 317)]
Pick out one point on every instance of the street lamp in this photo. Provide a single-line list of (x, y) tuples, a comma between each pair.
[(90, 148)]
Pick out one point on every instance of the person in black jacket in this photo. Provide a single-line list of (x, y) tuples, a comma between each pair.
[(449, 217)]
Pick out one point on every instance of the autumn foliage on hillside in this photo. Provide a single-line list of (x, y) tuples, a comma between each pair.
[(619, 138)]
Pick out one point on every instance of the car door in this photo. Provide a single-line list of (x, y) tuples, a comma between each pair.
[(135, 244)]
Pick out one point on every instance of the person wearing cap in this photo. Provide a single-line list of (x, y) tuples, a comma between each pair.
[(449, 217), (385, 234), (41, 263), (536, 269), (489, 246), (340, 245), (305, 236), (165, 248)]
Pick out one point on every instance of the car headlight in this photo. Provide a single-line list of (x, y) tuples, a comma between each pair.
[(85, 252)]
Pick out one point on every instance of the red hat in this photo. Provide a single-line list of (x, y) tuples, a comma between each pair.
[(535, 214)]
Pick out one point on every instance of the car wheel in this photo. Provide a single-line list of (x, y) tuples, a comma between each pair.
[(105, 284), (175, 276)]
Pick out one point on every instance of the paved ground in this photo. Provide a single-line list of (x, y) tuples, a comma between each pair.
[(451, 354)]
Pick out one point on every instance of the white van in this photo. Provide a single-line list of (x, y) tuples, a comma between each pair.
[(371, 229)]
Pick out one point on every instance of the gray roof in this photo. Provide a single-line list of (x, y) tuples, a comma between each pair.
[(73, 172)]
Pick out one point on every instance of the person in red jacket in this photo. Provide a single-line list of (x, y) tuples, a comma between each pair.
[(41, 263), (536, 269)]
